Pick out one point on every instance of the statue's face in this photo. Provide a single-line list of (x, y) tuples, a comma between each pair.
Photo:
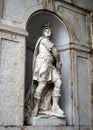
[(47, 32)]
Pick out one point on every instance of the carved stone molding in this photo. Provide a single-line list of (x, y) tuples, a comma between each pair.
[(13, 30)]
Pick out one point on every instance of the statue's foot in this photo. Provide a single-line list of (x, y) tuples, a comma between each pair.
[(57, 111)]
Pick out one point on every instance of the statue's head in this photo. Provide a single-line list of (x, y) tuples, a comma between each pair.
[(46, 30)]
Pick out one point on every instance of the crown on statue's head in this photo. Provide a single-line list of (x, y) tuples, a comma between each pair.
[(46, 26)]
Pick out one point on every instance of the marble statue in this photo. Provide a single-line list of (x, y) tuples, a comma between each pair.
[(44, 92)]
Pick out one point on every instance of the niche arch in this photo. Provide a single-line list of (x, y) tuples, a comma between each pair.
[(60, 37)]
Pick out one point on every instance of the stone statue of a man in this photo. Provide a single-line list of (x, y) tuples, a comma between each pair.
[(46, 77)]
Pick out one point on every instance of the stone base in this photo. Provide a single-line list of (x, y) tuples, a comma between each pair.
[(46, 121), (71, 127)]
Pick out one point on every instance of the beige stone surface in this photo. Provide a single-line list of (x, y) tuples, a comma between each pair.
[(12, 61), (12, 58), (1, 8), (46, 128)]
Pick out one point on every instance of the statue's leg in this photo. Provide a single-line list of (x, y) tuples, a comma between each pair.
[(37, 97), (56, 93), (56, 96)]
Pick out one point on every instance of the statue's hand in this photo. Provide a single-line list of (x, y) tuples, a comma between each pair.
[(58, 66)]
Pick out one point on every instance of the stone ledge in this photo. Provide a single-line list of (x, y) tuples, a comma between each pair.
[(46, 128), (10, 29), (73, 46), (51, 121)]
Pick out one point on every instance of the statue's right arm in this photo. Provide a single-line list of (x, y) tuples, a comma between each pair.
[(56, 54), (57, 58)]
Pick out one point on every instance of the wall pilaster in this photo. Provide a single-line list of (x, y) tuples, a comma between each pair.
[(12, 72)]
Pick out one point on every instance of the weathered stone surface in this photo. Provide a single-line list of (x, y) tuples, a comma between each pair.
[(13, 30), (83, 89), (1, 8), (38, 128), (50, 121), (76, 19), (12, 49), (47, 128), (85, 128), (92, 85)]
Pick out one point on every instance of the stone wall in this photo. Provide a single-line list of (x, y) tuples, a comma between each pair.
[(12, 65), (1, 8), (86, 4), (92, 84), (76, 58)]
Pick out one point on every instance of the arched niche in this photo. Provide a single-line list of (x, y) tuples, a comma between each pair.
[(60, 34), (60, 37)]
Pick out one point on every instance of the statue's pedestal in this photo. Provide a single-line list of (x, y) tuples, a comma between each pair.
[(46, 121)]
